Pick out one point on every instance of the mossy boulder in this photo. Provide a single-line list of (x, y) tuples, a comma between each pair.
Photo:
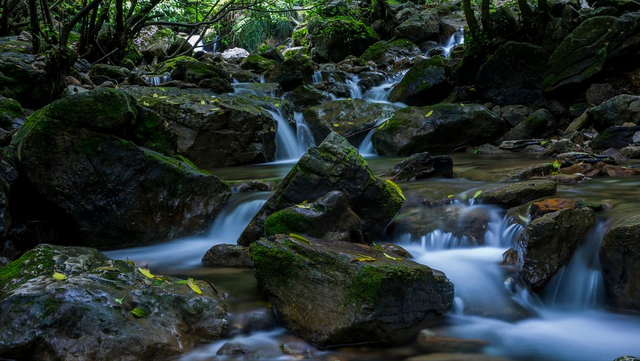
[(20, 81), (338, 37), (352, 119), (547, 244), (101, 73), (615, 137), (421, 166), (12, 115), (620, 258), (516, 193), (196, 71), (437, 128), (334, 165), (323, 294), (513, 74), (424, 25), (624, 108), (599, 43), (425, 83), (258, 64), (80, 317), (87, 155), (305, 96), (386, 54), (153, 42), (300, 37), (216, 132), (539, 125), (271, 53), (227, 255), (296, 70)]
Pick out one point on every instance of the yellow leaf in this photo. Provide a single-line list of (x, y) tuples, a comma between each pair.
[(461, 104), (303, 205), (192, 284), (395, 186), (450, 196), (363, 258), (477, 194), (393, 258), (429, 114), (350, 123), (299, 238), (336, 125), (59, 276), (155, 95), (130, 262), (146, 272), (277, 105), (145, 104), (383, 125), (163, 97), (203, 102), (272, 129)]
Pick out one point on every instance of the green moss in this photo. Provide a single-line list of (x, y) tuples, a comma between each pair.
[(90, 146), (275, 264), (300, 37), (259, 63), (371, 280), (171, 64), (285, 222), (37, 259)]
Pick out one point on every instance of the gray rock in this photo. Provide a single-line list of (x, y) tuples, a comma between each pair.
[(420, 166), (618, 110), (425, 83), (517, 193), (620, 258), (540, 124), (227, 255)]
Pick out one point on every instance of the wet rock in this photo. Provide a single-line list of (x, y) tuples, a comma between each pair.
[(424, 25), (613, 153), (631, 152), (555, 148), (548, 243), (193, 71), (420, 166), (324, 295), (386, 54), (395, 249), (101, 73), (517, 193), (227, 255), (258, 64), (19, 80), (425, 83), (437, 128), (485, 149), (510, 257), (259, 320), (252, 186), (564, 179), (618, 110), (104, 173), (334, 165), (222, 132), (12, 116), (306, 96), (513, 114), (513, 74), (538, 209), (534, 171), (627, 358), (78, 318), (235, 54), (336, 38), (540, 124), (620, 258), (431, 342), (518, 145), (600, 93), (595, 42), (352, 119), (615, 137)]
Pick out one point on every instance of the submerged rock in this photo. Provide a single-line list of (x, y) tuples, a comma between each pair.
[(548, 243), (334, 165), (517, 193), (620, 258), (437, 128), (420, 166), (88, 315), (96, 158), (323, 294), (351, 119)]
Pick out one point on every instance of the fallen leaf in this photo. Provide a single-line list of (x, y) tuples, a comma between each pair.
[(336, 125), (183, 282), (395, 186), (192, 284), (203, 102), (155, 95), (139, 312), (59, 276), (145, 104), (363, 258), (299, 238), (429, 114), (523, 218), (119, 300), (146, 272), (303, 205), (393, 258), (477, 194)]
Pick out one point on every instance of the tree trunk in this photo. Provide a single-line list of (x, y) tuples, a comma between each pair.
[(471, 19), (35, 25), (487, 24)]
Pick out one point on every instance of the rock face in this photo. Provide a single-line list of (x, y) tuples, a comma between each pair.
[(517, 193), (425, 83), (351, 119), (539, 125), (592, 46), (324, 295), (620, 258), (513, 74), (420, 166), (78, 318), (334, 165), (222, 132), (548, 243), (19, 80), (386, 54), (424, 25), (437, 128), (336, 38), (96, 157), (618, 110)]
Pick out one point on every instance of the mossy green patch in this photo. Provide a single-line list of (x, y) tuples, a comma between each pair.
[(371, 280), (40, 259), (285, 222), (273, 263)]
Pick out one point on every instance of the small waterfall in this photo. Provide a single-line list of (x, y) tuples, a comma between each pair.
[(501, 231), (439, 241), (380, 93), (366, 147), (579, 285), (354, 89), (317, 77), (286, 141), (196, 42), (303, 134), (456, 39), (155, 80)]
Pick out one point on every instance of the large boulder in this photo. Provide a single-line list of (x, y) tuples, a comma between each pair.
[(615, 137), (594, 46), (421, 166), (215, 132), (193, 71), (97, 158), (12, 115), (620, 258), (154, 42), (385, 54), (548, 243), (305, 96), (425, 83), (437, 128), (513, 74), (20, 80), (424, 25), (101, 73), (324, 292), (336, 38), (351, 119), (334, 165), (624, 108), (539, 125), (102, 310)]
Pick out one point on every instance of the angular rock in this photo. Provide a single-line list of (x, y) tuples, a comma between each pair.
[(515, 194), (437, 128), (334, 165), (513, 74), (352, 119), (101, 73), (91, 156), (20, 80), (336, 38), (12, 115), (193, 71), (305, 96), (386, 54), (540, 124), (620, 258), (618, 110), (420, 166), (615, 137), (78, 318), (424, 25), (227, 255), (425, 83), (631, 152), (324, 295), (548, 243)]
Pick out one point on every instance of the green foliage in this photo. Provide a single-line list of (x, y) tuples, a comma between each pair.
[(299, 37)]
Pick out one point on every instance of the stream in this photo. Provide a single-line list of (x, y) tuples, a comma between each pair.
[(567, 322)]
